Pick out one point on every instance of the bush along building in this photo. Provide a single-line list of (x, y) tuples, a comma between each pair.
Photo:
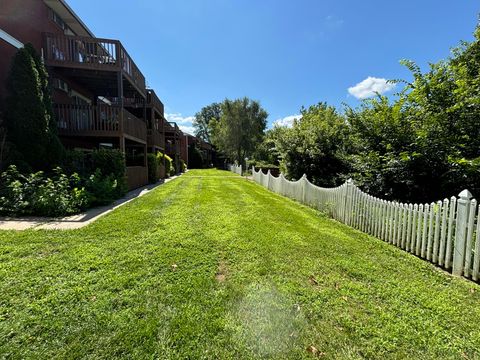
[(98, 93)]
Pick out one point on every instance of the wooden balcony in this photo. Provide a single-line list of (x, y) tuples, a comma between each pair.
[(172, 148), (155, 139), (99, 120), (154, 102), (92, 54)]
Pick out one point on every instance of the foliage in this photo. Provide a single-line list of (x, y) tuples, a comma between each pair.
[(173, 169), (240, 128), (202, 120), (164, 158), (105, 167), (29, 120), (256, 276), (183, 166), (37, 194), (267, 151), (153, 165), (195, 157), (104, 189), (109, 161), (315, 145)]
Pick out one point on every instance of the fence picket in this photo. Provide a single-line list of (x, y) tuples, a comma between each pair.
[(423, 252), (436, 238), (476, 259), (468, 244), (451, 225), (430, 231), (414, 228), (443, 235), (418, 240)]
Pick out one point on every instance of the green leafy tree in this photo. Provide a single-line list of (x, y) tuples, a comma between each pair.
[(240, 128), (266, 152), (316, 145), (201, 123), (383, 147), (29, 120)]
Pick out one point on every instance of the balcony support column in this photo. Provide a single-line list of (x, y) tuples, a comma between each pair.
[(120, 100)]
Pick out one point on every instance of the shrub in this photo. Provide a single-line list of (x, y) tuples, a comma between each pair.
[(161, 166), (195, 157), (168, 163), (173, 168), (110, 164), (153, 168), (59, 196), (184, 166), (103, 190), (36, 194), (109, 161)]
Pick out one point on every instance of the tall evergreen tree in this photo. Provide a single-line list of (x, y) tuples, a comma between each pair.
[(29, 120)]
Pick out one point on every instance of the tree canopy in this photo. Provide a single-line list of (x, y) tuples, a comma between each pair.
[(240, 128), (201, 123)]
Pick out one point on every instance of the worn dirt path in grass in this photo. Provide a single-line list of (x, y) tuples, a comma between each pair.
[(213, 266)]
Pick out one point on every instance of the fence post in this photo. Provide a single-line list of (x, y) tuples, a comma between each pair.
[(347, 210), (304, 185), (463, 206)]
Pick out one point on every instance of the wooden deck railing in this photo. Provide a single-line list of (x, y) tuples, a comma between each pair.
[(133, 126), (99, 120), (172, 148), (85, 119), (154, 101), (91, 53), (155, 138)]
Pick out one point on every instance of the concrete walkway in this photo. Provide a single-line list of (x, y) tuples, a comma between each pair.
[(75, 221)]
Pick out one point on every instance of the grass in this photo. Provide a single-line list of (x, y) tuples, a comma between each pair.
[(211, 266)]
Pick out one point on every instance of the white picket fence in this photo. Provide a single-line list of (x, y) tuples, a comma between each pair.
[(237, 169), (446, 233)]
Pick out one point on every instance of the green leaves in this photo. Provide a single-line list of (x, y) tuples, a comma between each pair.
[(240, 128), (201, 123), (315, 145), (29, 120)]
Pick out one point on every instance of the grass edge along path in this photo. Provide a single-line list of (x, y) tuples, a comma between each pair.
[(213, 266)]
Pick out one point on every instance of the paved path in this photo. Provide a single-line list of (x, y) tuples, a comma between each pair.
[(75, 221)]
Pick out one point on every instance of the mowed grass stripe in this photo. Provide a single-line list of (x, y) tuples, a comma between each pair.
[(142, 282)]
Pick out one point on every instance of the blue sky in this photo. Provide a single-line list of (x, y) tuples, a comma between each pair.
[(286, 54)]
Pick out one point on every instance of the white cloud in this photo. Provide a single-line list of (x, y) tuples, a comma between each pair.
[(287, 120), (369, 87), (179, 119), (187, 129), (332, 22), (183, 122)]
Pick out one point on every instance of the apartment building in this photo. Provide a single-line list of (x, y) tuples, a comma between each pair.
[(99, 93)]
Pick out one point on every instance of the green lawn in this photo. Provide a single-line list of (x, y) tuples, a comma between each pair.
[(212, 266)]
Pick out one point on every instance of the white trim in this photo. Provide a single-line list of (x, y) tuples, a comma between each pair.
[(10, 39)]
